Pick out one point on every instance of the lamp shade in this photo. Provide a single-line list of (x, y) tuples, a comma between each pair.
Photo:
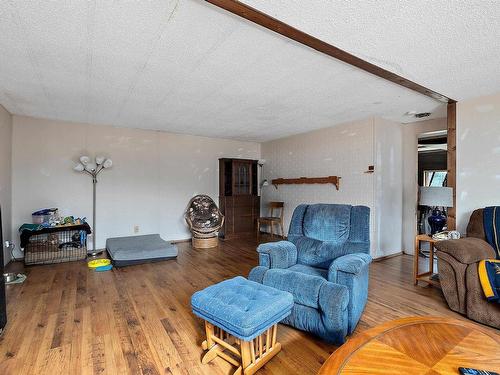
[(108, 163), (99, 160), (79, 167), (84, 160), (436, 196)]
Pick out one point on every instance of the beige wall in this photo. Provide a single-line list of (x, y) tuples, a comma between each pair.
[(344, 150), (153, 177), (44, 152), (5, 175), (410, 169), (478, 156)]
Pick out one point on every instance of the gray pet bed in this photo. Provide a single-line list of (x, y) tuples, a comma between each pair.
[(127, 251)]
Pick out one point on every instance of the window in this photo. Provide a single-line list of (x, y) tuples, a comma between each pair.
[(435, 178)]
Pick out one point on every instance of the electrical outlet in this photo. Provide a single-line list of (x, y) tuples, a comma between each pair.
[(8, 244), (136, 229)]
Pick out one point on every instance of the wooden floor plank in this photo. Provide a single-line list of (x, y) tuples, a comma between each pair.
[(67, 319)]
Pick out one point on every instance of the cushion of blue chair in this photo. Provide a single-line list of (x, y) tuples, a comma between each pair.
[(305, 288), (309, 270), (241, 307), (317, 253), (327, 222), (351, 263)]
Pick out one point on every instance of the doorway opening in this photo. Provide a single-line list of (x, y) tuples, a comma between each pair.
[(432, 171)]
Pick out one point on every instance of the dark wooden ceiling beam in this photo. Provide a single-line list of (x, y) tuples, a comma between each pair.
[(273, 24)]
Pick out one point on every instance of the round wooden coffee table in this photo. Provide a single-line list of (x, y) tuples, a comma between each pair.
[(417, 345)]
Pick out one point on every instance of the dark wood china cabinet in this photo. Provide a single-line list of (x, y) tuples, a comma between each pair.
[(238, 196)]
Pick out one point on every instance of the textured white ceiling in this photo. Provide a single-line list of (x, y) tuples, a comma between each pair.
[(186, 66), (450, 46)]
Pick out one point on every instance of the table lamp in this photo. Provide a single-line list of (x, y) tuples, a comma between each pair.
[(436, 197)]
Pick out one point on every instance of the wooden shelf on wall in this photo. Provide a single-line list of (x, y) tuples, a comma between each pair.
[(307, 180)]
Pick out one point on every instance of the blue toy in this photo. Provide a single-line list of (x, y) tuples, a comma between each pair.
[(103, 268)]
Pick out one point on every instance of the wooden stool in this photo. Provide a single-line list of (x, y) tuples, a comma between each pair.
[(248, 356)]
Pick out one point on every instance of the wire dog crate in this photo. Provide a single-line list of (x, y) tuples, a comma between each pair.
[(55, 245)]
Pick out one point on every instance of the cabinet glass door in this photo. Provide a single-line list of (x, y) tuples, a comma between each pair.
[(242, 178)]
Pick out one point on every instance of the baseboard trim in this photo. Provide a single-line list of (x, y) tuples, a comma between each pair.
[(181, 241), (388, 256), (275, 235)]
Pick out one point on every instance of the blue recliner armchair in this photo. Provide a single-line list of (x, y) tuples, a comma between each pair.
[(324, 264)]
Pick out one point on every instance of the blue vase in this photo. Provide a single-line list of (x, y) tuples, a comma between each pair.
[(437, 221)]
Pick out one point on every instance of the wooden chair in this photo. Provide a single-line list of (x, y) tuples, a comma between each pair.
[(271, 220)]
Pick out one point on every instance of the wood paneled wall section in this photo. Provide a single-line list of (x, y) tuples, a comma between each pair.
[(452, 162)]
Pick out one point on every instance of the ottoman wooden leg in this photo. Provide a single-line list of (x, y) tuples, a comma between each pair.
[(248, 356), (256, 353), (204, 345), (209, 332), (212, 353), (246, 359), (209, 344)]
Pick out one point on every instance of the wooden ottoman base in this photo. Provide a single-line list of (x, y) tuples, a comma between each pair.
[(205, 243), (248, 356)]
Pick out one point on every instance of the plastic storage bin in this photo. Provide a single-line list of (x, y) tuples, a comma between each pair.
[(45, 216)]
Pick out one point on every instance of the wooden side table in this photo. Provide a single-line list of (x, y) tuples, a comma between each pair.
[(425, 276)]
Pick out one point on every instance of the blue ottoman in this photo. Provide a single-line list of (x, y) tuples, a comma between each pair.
[(241, 316)]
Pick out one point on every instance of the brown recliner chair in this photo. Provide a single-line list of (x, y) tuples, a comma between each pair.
[(458, 273)]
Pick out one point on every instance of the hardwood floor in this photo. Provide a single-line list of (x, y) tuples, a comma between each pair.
[(66, 319)]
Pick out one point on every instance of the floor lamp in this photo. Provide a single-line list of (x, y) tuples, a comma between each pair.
[(93, 169)]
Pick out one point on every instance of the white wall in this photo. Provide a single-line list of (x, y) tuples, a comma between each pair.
[(5, 175), (478, 156), (411, 133), (388, 187), (153, 177), (344, 150)]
